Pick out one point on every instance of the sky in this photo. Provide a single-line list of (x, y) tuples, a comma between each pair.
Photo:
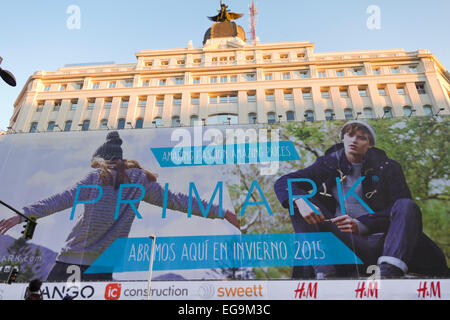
[(34, 35)]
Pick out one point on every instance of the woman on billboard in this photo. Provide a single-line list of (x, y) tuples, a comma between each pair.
[(100, 224)]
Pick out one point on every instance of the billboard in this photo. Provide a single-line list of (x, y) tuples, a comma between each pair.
[(259, 202)]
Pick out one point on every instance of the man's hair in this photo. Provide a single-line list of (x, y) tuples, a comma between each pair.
[(35, 285), (351, 129)]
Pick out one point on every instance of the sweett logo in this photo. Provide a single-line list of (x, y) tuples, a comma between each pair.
[(306, 291), (112, 291), (241, 292)]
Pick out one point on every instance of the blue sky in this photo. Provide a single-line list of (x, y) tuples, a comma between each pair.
[(34, 35)]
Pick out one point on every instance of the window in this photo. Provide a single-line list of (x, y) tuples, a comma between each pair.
[(413, 69), (193, 121), (196, 80), (428, 110), (164, 63), (329, 115), (213, 80), (146, 83), (142, 102), (251, 97), (197, 61), (213, 99), (268, 76), (195, 100), (160, 101), (163, 82), (358, 71), (51, 126), (149, 63), (181, 62), (252, 118), (340, 73), (343, 93), (309, 115), (407, 111), (108, 103), (121, 124), (112, 84), (47, 88), (63, 87), (269, 96), (377, 71), (223, 79), (96, 85), (104, 124), (325, 93), (128, 83), (33, 127), (300, 55), (401, 90), (288, 95), (368, 113), (249, 58), (40, 106), (124, 103), (157, 122), (214, 60), (251, 77), (223, 99), (322, 74), (388, 113), (382, 91), (85, 126), (57, 105), (74, 104), (421, 88), (348, 113), (303, 74), (306, 93), (68, 125), (175, 121), (286, 76), (91, 104), (395, 70), (179, 81), (267, 58), (177, 100), (78, 85), (290, 116), (362, 92), (271, 117), (284, 56), (233, 79)]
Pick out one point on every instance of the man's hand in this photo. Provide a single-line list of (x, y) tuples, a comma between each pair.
[(231, 218), (7, 224), (346, 224), (307, 212)]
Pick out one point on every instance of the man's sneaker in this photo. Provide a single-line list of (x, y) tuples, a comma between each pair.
[(389, 271)]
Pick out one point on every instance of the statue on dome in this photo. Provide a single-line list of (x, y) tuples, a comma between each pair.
[(224, 14)]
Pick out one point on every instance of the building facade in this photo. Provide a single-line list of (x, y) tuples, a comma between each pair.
[(229, 81)]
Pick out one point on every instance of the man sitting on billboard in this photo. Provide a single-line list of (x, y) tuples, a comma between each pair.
[(363, 199)]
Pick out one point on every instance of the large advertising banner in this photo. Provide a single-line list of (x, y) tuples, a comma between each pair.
[(319, 200)]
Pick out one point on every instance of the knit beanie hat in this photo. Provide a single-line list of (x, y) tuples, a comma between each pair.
[(373, 138), (111, 149)]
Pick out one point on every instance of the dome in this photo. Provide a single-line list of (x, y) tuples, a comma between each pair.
[(226, 29)]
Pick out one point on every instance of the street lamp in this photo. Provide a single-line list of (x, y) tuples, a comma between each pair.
[(7, 76)]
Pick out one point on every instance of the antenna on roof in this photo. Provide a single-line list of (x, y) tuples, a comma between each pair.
[(253, 13)]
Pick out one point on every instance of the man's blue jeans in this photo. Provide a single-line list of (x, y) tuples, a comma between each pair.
[(404, 245)]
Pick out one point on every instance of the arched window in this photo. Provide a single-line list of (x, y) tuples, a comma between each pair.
[(348, 113), (329, 115), (85, 126), (175, 121), (68, 126), (252, 118), (290, 116), (157, 122), (121, 124), (388, 113), (309, 115), (407, 111), (139, 123), (33, 127), (193, 120), (368, 113), (104, 124), (271, 117), (51, 126), (428, 110)]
